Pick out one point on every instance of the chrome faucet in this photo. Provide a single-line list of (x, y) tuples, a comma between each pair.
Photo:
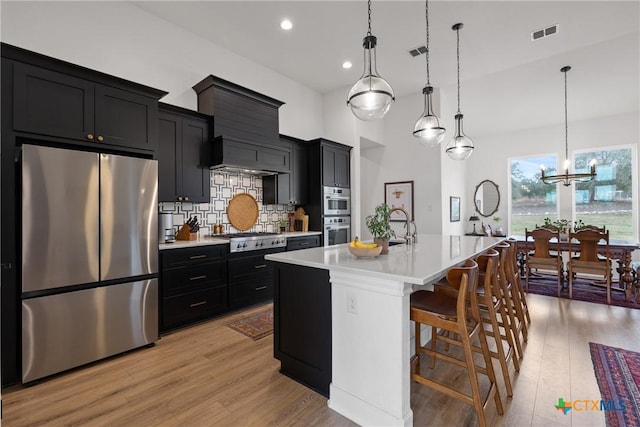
[(407, 237)]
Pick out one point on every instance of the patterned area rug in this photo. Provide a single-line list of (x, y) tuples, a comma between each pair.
[(618, 375), (255, 326), (583, 290)]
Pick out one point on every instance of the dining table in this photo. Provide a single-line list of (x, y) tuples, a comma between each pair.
[(619, 250)]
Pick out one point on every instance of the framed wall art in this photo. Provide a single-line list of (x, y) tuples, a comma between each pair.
[(454, 209), (399, 195)]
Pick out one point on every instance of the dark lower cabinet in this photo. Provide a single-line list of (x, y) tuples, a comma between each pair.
[(303, 242), (193, 285), (250, 278), (183, 155), (302, 324)]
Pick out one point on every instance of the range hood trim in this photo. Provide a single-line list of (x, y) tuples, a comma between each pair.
[(220, 159)]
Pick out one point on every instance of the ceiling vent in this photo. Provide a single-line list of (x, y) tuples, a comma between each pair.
[(420, 50), (545, 32)]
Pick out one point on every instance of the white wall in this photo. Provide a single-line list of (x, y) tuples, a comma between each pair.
[(121, 39), (491, 157), (400, 157)]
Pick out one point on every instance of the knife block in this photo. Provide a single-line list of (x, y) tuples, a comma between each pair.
[(185, 234)]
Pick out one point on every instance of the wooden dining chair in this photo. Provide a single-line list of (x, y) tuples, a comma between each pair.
[(542, 258), (588, 261)]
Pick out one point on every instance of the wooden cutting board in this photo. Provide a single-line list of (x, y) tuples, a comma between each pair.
[(242, 211)]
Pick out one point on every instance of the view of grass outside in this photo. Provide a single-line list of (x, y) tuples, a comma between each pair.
[(605, 201), (531, 200)]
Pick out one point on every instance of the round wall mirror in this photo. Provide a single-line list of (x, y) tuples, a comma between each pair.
[(487, 198)]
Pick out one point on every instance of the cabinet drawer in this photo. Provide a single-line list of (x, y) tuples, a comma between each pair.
[(249, 292), (193, 277), (191, 307), (240, 268), (201, 254), (295, 243)]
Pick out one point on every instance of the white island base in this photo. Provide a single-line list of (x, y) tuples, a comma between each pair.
[(371, 348)]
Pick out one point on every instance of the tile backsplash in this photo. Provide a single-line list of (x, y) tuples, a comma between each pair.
[(225, 185)]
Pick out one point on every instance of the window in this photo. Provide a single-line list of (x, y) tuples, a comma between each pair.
[(531, 200), (607, 200)]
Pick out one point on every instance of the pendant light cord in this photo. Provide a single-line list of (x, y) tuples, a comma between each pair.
[(458, 62), (369, 10), (566, 126), (426, 55)]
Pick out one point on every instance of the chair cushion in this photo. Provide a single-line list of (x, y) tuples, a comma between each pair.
[(440, 303)]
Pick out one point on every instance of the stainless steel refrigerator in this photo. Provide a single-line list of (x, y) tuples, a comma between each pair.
[(89, 257)]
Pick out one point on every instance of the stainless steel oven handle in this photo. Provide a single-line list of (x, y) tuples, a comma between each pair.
[(338, 227)]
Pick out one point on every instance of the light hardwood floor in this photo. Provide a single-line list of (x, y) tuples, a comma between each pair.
[(209, 375)]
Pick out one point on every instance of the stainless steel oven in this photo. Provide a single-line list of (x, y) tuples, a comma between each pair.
[(337, 230), (337, 201)]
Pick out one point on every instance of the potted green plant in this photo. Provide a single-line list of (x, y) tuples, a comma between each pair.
[(562, 225), (283, 225), (379, 226)]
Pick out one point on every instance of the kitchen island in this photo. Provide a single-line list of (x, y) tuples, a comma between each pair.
[(345, 320)]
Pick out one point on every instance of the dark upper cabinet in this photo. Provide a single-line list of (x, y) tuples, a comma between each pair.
[(336, 170), (291, 188), (55, 99), (183, 155)]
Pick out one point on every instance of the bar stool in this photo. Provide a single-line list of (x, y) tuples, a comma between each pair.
[(458, 314), (494, 314), (517, 279), (511, 300)]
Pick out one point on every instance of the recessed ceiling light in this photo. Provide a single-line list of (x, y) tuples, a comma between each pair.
[(286, 24), (346, 65)]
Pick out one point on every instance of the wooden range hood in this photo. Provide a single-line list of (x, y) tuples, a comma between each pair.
[(245, 130)]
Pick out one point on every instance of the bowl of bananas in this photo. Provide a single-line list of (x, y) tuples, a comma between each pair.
[(364, 250)]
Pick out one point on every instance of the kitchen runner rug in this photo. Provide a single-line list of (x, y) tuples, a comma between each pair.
[(618, 375), (583, 290), (255, 326)]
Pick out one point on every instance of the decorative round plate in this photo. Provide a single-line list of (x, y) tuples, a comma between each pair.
[(242, 211)]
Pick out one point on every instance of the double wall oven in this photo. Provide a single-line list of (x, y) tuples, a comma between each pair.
[(336, 215)]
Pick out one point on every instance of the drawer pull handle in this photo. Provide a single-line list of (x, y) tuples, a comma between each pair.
[(198, 277), (197, 256), (195, 304), (304, 243), (259, 288), (261, 266)]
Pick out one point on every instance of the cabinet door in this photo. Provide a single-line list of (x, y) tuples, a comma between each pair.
[(328, 167), (169, 155), (125, 118), (299, 178), (196, 182), (51, 103), (342, 168)]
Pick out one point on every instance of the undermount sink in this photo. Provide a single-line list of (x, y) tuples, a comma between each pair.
[(396, 242)]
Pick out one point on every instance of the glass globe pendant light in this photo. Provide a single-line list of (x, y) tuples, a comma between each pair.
[(427, 128), (459, 146), (371, 96)]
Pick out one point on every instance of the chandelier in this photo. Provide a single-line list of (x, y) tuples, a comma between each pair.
[(566, 178)]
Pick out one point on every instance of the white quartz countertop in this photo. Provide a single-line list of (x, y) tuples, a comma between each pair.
[(206, 241), (419, 263)]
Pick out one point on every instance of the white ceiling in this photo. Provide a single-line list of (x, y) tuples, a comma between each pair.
[(499, 62)]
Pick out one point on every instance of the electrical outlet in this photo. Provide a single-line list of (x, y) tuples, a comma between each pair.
[(352, 303)]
